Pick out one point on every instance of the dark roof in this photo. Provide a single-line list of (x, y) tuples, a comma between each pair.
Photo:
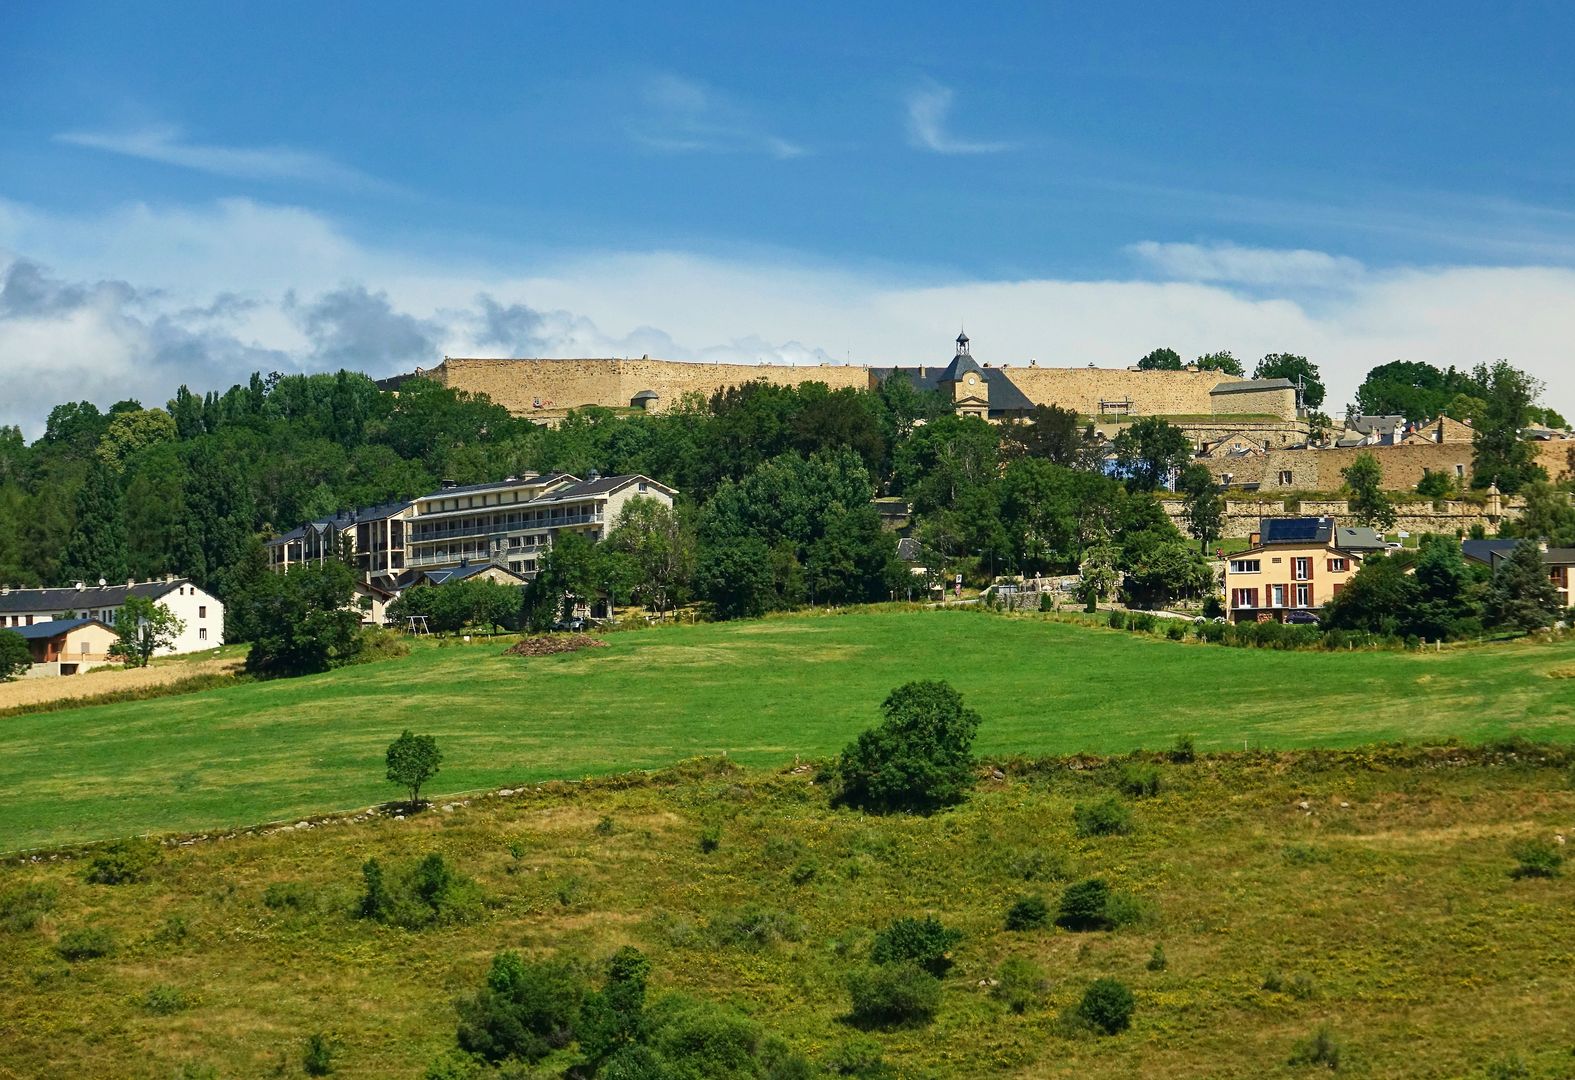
[(961, 365), (1004, 395), (1559, 556), (1244, 386), (1383, 425), (54, 628), (394, 382), (533, 480), (1485, 551), (1358, 538), (468, 570), (346, 518), (908, 549), (1299, 530), (604, 485), (93, 596)]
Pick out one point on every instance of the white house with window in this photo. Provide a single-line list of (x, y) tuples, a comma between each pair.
[(200, 611)]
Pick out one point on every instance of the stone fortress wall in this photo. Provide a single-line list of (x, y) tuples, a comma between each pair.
[(546, 389), (1418, 516)]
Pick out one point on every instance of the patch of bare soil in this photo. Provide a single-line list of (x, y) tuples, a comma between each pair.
[(550, 644)]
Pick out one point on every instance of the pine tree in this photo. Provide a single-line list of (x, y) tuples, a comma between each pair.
[(96, 547), (1522, 596)]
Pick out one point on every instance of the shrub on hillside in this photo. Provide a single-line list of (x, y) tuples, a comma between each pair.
[(894, 995), (418, 894), (1020, 984), (1027, 913), (317, 1057), (755, 927), (1118, 620), (1084, 906), (1322, 1047), (1139, 781), (1536, 859), (1141, 622), (860, 1057), (526, 1010), (1183, 751), (86, 943), (710, 838), (22, 907), (920, 757), (1175, 629), (164, 1000), (1212, 632), (124, 861), (1107, 817), (1106, 1006), (927, 942)]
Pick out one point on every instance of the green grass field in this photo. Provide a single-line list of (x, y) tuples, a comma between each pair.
[(1375, 887), (761, 692)]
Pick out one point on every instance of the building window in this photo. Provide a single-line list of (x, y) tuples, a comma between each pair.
[(1285, 478), (1245, 566), (202, 631), (1301, 569), (1277, 596), (1336, 566), (1244, 598), (1304, 596), (202, 611), (1460, 472)]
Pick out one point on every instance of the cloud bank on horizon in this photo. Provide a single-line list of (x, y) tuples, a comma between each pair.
[(136, 301)]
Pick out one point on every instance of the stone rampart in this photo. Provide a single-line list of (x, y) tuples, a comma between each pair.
[(1449, 517), (1319, 470), (548, 388), (1151, 393)]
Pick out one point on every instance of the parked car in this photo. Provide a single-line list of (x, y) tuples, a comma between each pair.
[(1304, 618), (572, 626)]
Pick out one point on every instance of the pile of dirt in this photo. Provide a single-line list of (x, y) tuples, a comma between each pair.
[(548, 644)]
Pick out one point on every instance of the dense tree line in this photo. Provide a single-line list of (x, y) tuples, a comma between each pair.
[(776, 486)]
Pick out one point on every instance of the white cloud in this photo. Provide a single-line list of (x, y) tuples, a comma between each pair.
[(167, 146), (1249, 266), (134, 302), (929, 108), (684, 116)]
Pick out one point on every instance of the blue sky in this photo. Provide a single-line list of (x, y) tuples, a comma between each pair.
[(186, 190)]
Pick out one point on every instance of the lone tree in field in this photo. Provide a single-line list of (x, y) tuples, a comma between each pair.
[(14, 657), (412, 761), (918, 760), (141, 629)]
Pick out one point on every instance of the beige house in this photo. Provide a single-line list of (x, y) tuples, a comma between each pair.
[(67, 646), (200, 612), (1294, 565)]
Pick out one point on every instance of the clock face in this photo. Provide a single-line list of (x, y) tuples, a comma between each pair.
[(973, 379)]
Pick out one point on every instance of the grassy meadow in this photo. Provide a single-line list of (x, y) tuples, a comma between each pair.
[(761, 692), (1369, 891)]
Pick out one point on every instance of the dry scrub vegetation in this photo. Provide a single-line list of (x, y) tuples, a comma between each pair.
[(1358, 909)]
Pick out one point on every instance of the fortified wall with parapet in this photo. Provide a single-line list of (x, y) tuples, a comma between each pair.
[(546, 389)]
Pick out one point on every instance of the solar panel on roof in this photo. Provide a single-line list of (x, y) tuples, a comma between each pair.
[(1281, 530)]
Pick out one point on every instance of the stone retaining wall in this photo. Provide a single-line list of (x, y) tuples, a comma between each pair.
[(1418, 516)]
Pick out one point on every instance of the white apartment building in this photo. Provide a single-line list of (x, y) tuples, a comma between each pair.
[(514, 522), (510, 523), (202, 612)]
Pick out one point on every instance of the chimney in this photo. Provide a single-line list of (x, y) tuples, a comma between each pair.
[(169, 577), (130, 582), (1542, 545), (447, 484), (81, 586), (5, 590), (102, 583)]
